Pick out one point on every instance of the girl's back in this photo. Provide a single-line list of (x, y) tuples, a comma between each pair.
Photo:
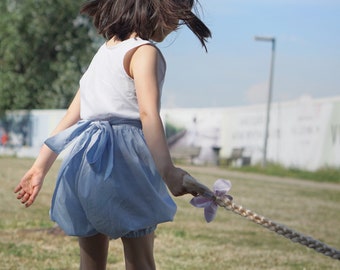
[(106, 88)]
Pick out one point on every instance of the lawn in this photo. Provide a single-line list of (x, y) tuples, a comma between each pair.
[(28, 241)]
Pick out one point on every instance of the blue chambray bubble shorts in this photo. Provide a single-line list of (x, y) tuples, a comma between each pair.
[(108, 182)]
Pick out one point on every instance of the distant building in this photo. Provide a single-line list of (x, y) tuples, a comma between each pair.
[(303, 133)]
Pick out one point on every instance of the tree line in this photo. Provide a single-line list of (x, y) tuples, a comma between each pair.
[(45, 46)]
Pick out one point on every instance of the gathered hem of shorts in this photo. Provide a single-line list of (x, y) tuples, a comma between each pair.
[(140, 233), (131, 234)]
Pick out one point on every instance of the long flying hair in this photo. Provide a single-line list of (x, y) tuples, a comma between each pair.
[(121, 18)]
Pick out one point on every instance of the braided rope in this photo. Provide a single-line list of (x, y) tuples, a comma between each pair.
[(192, 185), (279, 228)]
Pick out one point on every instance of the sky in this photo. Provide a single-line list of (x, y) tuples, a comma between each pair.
[(235, 71)]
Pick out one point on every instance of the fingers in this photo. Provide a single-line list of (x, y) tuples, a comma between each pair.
[(29, 187), (195, 194), (26, 197), (181, 188), (29, 202), (23, 196), (22, 186), (17, 188), (32, 197), (20, 195), (194, 187)]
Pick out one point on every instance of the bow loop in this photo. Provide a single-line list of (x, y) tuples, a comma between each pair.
[(95, 141), (100, 151), (60, 141)]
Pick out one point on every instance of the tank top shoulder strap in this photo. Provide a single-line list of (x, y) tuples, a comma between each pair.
[(132, 43)]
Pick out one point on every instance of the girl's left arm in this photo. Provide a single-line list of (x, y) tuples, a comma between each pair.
[(31, 183), (143, 68)]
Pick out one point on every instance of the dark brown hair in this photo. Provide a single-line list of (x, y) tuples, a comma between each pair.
[(121, 18)]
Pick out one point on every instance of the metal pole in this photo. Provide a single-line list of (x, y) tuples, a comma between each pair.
[(269, 100)]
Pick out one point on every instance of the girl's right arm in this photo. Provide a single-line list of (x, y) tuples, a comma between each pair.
[(30, 185), (143, 69)]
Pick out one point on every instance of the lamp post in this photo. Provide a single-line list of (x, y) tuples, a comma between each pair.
[(269, 99)]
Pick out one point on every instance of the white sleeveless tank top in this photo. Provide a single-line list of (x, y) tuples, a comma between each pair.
[(106, 89)]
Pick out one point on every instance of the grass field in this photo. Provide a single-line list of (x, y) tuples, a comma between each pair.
[(229, 242), (325, 174)]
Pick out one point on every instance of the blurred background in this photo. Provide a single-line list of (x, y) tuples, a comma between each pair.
[(216, 105), (269, 105)]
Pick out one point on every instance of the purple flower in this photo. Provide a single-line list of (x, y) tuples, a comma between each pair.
[(220, 190)]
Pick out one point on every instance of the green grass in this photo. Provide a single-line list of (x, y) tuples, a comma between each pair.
[(229, 242), (327, 174)]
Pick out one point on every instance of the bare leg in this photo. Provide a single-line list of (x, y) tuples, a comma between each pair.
[(138, 253), (93, 252)]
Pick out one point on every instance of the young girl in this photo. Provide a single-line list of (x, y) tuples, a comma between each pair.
[(111, 184)]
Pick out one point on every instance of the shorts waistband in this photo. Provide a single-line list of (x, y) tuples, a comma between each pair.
[(115, 121)]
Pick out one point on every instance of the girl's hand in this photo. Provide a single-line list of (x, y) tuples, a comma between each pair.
[(29, 186), (174, 181)]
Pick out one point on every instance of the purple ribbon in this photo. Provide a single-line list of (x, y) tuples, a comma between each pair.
[(220, 190)]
